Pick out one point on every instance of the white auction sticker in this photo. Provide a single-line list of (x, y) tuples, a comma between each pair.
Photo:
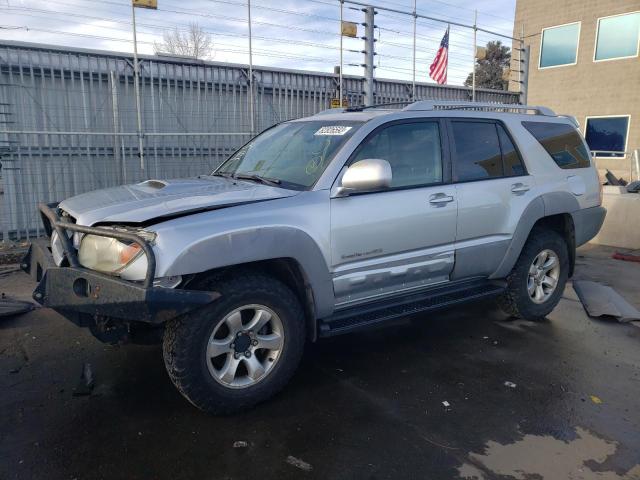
[(333, 130)]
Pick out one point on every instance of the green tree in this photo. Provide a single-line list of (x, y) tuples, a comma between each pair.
[(489, 69)]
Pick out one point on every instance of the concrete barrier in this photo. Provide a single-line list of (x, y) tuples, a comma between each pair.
[(621, 226)]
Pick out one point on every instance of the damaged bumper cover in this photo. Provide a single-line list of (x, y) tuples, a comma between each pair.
[(77, 292)]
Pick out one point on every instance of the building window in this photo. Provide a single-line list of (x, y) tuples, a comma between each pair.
[(618, 37), (607, 136), (559, 45)]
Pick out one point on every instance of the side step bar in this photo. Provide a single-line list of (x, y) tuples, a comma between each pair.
[(356, 318)]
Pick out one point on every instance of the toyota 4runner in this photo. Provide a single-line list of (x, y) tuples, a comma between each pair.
[(321, 226)]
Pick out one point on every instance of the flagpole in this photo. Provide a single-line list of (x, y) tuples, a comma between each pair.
[(448, 43)]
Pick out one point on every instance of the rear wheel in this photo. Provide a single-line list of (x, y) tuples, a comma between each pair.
[(240, 350), (537, 281)]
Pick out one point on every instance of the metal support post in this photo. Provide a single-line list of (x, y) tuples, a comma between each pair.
[(251, 114), (341, 95), (369, 49), (136, 80), (413, 83), (475, 52), (524, 85)]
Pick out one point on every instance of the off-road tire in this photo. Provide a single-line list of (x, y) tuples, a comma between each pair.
[(186, 337), (516, 301)]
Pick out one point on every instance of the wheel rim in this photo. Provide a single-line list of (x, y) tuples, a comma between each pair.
[(543, 277), (245, 346)]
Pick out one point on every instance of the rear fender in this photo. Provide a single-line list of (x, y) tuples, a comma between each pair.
[(552, 203)]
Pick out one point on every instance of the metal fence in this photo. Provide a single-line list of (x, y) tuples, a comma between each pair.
[(68, 119)]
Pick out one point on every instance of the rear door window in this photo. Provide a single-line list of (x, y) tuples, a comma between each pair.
[(562, 142), (476, 151)]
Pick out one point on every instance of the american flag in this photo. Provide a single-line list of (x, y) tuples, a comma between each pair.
[(438, 69)]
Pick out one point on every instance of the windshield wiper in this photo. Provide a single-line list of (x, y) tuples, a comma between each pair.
[(257, 178), (221, 174)]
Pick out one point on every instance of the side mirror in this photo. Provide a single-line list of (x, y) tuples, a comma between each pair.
[(366, 175)]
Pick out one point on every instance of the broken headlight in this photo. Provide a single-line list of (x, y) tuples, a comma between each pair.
[(107, 255)]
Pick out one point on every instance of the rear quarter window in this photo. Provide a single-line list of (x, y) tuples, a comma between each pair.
[(562, 142)]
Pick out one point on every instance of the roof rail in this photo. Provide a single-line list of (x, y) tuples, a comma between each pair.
[(453, 105)]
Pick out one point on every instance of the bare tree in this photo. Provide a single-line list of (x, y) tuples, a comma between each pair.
[(193, 42)]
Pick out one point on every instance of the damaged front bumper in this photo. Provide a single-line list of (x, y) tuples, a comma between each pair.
[(85, 296)]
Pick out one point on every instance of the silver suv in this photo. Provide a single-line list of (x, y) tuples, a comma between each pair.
[(321, 226)]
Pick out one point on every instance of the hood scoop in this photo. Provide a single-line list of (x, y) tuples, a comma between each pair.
[(154, 184)]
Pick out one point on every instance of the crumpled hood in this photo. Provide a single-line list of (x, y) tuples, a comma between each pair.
[(159, 198)]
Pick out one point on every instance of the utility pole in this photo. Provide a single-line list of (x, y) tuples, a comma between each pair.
[(251, 115), (369, 49), (475, 52), (413, 83), (136, 80)]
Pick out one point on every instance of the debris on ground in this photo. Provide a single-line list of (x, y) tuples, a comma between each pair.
[(301, 464), (595, 399), (599, 300), (10, 307), (627, 257), (240, 444), (510, 384), (86, 383)]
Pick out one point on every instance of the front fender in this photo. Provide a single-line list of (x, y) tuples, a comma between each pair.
[(261, 243)]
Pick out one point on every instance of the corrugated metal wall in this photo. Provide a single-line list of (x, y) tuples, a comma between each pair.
[(75, 114)]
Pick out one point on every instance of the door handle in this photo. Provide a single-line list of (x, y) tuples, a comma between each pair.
[(519, 188), (439, 199)]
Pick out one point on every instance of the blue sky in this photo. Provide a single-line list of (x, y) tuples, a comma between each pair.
[(300, 34)]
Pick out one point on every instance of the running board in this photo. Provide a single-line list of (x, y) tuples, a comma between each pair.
[(363, 316)]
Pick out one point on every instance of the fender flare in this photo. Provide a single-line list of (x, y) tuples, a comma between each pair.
[(552, 203)]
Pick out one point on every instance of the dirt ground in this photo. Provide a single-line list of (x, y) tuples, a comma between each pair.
[(465, 393)]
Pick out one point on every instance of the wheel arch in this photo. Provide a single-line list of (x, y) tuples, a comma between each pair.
[(285, 269), (552, 210)]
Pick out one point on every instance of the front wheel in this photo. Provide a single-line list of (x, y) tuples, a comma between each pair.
[(537, 281), (240, 350)]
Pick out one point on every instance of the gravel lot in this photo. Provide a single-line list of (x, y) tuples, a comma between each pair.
[(367, 405)]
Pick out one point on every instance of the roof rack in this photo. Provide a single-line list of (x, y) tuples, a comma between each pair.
[(453, 105)]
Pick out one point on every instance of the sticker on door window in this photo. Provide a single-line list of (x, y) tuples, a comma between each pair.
[(333, 130)]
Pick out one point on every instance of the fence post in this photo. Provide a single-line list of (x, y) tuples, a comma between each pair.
[(116, 126), (369, 46)]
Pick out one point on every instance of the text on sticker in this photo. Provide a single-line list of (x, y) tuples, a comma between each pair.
[(333, 130)]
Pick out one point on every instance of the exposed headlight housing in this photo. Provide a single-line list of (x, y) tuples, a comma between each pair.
[(107, 255)]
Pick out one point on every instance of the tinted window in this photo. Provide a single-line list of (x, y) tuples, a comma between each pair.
[(608, 135), (562, 142), (511, 161), (618, 36), (559, 45), (412, 150), (477, 151)]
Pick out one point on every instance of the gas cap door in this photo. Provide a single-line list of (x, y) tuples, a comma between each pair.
[(576, 185)]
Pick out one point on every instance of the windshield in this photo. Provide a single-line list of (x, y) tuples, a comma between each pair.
[(293, 155)]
